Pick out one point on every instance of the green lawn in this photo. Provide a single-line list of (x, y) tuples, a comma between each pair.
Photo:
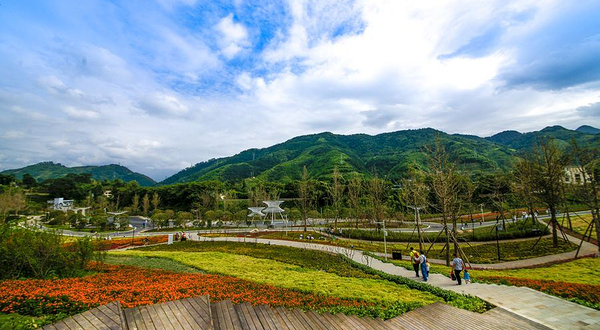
[(147, 262), (311, 259), (20, 322), (294, 277)]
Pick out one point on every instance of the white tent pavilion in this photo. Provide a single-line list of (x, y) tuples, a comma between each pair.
[(273, 210)]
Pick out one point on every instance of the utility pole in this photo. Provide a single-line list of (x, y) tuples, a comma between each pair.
[(417, 223), (384, 239)]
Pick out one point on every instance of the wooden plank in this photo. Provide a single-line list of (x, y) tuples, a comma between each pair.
[(148, 321), (316, 319), (266, 317), (60, 325), (348, 322), (83, 322), (91, 317), (129, 320), (215, 317), (153, 315), (223, 316), (197, 316), (177, 314), (305, 320), (298, 323), (49, 327), (202, 310), (283, 320), (333, 321), (159, 317), (235, 321), (185, 313), (115, 319), (166, 321), (138, 318), (243, 316)]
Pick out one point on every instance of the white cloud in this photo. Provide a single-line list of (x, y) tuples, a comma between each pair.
[(81, 114), (234, 37), (163, 104), (9, 135)]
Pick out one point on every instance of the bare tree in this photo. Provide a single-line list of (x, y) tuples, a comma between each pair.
[(587, 190), (377, 193), (548, 163), (414, 194), (446, 186), (336, 192), (523, 185), (304, 196), (355, 189)]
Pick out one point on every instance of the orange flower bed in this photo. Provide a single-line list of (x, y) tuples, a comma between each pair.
[(134, 286), (126, 242), (585, 292)]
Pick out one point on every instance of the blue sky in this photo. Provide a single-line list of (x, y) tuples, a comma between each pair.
[(160, 85)]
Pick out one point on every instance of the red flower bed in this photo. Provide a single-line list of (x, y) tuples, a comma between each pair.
[(586, 292), (121, 243), (134, 286)]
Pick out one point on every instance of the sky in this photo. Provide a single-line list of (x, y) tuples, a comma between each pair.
[(158, 86)]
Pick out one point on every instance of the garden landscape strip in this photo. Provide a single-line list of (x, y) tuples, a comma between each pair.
[(134, 286), (295, 277)]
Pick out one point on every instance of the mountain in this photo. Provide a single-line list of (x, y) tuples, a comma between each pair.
[(588, 129), (389, 154), (523, 141), (50, 170)]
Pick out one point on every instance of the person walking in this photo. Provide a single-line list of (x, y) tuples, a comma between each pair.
[(457, 265), (414, 258), (424, 270)]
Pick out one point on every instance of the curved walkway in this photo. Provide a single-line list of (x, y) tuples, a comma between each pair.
[(550, 311)]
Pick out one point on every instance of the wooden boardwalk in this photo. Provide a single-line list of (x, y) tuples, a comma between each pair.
[(199, 313)]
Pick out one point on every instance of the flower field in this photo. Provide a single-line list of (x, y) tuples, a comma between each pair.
[(294, 277), (121, 243), (134, 286)]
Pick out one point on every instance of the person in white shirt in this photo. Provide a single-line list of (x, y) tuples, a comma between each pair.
[(458, 266)]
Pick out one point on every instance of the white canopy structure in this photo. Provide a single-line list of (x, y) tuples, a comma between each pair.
[(256, 211)]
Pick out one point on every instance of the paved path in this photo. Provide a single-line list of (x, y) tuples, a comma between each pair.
[(550, 311)]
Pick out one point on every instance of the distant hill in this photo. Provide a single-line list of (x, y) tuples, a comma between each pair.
[(50, 170), (389, 154), (521, 141), (588, 129)]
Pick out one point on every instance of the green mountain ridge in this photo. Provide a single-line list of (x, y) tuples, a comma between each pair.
[(388, 154), (51, 170)]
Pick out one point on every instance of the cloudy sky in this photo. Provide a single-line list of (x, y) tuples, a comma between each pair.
[(160, 85)]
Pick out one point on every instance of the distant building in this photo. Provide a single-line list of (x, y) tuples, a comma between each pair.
[(61, 204), (574, 175), (107, 194)]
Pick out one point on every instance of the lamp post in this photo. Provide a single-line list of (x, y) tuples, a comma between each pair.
[(384, 239), (417, 218)]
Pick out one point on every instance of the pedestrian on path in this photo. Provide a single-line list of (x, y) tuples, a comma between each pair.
[(457, 265), (424, 270), (414, 258)]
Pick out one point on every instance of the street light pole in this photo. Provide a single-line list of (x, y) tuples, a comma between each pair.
[(384, 239), (417, 223)]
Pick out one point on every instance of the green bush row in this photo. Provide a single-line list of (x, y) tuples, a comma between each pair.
[(29, 252)]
